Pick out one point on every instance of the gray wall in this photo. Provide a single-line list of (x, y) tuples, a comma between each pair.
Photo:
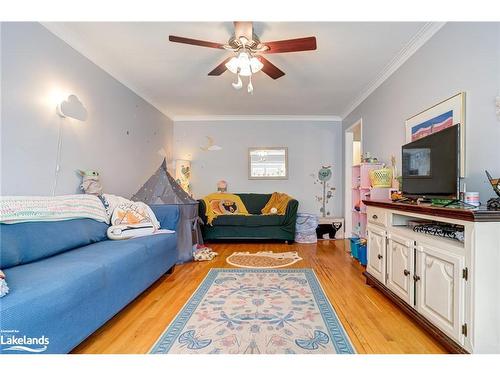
[(460, 57), (311, 144), (121, 137)]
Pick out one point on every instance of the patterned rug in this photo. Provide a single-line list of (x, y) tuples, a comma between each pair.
[(251, 311), (263, 259)]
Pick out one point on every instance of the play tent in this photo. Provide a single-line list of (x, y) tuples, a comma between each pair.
[(161, 188)]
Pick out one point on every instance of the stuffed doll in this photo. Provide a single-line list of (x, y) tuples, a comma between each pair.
[(90, 182)]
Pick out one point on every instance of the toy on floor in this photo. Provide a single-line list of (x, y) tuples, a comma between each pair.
[(201, 252)]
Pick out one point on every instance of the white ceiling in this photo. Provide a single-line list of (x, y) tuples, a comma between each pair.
[(352, 58)]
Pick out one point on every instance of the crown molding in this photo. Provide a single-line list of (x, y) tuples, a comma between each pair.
[(258, 118), (74, 41), (419, 39)]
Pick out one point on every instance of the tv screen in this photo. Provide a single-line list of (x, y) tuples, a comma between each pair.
[(431, 165)]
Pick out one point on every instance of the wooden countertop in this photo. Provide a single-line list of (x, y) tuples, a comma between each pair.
[(481, 214)]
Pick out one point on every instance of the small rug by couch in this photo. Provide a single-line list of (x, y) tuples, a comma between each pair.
[(263, 259), (252, 311)]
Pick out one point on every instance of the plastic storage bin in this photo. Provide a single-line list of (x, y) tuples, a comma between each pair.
[(362, 254), (354, 247)]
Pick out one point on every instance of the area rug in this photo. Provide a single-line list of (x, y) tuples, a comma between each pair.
[(255, 311), (263, 259)]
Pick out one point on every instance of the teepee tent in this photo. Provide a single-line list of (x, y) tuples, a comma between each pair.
[(161, 188)]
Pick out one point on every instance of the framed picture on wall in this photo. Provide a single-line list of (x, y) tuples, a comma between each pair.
[(267, 163), (440, 116)]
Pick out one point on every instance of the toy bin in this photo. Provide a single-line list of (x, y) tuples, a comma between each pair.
[(362, 254), (354, 247)]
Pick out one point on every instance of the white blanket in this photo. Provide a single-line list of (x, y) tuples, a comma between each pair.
[(19, 209)]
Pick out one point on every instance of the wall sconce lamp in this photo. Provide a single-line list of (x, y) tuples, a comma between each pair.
[(73, 108)]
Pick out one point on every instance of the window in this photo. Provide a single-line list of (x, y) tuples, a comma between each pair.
[(268, 163)]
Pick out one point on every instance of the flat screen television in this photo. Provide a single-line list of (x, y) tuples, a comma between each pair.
[(431, 165)]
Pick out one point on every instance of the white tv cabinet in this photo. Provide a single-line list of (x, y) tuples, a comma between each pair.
[(451, 288)]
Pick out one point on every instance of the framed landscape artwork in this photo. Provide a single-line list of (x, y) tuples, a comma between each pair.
[(439, 117)]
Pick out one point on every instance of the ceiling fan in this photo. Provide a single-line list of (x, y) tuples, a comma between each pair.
[(247, 51)]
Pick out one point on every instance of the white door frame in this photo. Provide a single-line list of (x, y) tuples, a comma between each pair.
[(348, 152)]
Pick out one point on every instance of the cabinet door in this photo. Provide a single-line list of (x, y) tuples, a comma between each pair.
[(376, 252), (400, 267), (439, 288)]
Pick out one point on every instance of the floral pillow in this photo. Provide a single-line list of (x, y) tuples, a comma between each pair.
[(4, 289)]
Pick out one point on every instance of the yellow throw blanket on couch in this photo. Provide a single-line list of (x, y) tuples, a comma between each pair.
[(223, 204), (279, 201)]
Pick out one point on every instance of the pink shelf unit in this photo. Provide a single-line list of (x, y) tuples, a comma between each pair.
[(361, 188)]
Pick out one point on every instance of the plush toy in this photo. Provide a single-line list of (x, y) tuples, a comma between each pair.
[(222, 186), (90, 182), (201, 252)]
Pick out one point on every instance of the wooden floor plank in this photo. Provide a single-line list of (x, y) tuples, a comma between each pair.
[(374, 324)]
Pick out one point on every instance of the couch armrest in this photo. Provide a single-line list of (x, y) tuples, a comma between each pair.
[(291, 212), (167, 215)]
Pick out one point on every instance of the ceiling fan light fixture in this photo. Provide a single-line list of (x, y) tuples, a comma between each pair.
[(244, 64)]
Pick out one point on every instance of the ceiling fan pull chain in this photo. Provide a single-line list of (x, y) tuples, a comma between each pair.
[(250, 86), (239, 84)]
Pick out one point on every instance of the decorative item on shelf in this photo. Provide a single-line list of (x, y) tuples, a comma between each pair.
[(395, 178), (222, 186), (472, 198), (494, 203), (90, 182), (367, 158), (396, 195), (381, 178), (183, 175), (323, 176)]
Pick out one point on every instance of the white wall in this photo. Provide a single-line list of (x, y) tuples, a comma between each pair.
[(460, 57), (310, 145), (120, 138)]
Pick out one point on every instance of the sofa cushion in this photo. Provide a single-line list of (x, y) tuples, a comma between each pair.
[(28, 242), (249, 221), (254, 202), (68, 296)]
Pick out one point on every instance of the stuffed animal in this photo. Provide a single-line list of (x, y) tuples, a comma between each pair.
[(90, 182)]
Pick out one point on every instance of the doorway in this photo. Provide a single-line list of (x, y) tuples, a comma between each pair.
[(353, 147)]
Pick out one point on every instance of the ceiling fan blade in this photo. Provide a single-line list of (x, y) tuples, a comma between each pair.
[(291, 45), (243, 28), (194, 42), (270, 69), (219, 69)]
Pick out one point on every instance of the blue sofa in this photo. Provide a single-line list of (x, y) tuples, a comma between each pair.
[(67, 279)]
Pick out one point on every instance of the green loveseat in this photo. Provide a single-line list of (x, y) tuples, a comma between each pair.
[(256, 226)]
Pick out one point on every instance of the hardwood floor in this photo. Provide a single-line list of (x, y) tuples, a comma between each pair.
[(373, 323)]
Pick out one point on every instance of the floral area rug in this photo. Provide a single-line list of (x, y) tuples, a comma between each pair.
[(263, 259), (255, 311)]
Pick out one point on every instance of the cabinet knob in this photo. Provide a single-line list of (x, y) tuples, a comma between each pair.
[(374, 217), (379, 256), (416, 278), (406, 272)]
